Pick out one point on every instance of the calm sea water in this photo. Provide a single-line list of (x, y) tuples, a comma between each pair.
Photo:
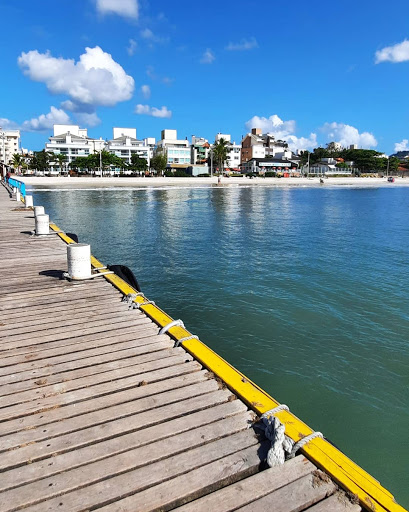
[(306, 291)]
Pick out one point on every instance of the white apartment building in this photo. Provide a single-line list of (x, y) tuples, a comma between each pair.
[(178, 151), (125, 144), (73, 142), (234, 155), (9, 145), (256, 145)]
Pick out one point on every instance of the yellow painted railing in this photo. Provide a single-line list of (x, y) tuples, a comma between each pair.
[(372, 496)]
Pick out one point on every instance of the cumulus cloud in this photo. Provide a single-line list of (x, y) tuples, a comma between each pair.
[(45, 122), (7, 124), (146, 91), (282, 130), (396, 53), (208, 57), (153, 111), (86, 119), (345, 135), (125, 8), (244, 44), (399, 146), (132, 47), (96, 79)]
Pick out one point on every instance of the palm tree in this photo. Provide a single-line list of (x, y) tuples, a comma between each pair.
[(60, 158), (221, 150), (18, 161)]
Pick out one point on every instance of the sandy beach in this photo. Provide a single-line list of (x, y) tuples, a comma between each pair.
[(110, 182)]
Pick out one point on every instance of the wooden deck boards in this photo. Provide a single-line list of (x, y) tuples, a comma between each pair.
[(99, 412)]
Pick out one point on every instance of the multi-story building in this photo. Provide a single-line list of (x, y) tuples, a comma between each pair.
[(256, 145), (234, 155), (178, 151), (199, 150), (72, 142), (9, 145), (125, 144)]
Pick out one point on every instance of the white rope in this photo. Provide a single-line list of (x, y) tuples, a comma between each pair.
[(298, 445), (174, 323), (137, 305), (179, 342), (129, 299), (281, 445), (272, 412)]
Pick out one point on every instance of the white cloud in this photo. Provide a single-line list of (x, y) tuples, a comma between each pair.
[(96, 79), (345, 135), (396, 53), (399, 146), (46, 121), (282, 130), (132, 47), (149, 36), (272, 124), (146, 91), (244, 44), (153, 111), (88, 119), (125, 8), (7, 124), (208, 57)]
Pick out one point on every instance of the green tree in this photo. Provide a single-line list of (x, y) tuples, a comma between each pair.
[(159, 161), (41, 160), (17, 161), (221, 150), (60, 159), (138, 163)]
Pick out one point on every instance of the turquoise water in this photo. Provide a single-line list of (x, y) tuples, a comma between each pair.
[(306, 291)]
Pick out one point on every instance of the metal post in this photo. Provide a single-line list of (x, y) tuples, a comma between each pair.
[(100, 161), (387, 168), (211, 163)]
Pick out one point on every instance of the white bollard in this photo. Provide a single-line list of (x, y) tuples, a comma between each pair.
[(79, 261), (38, 210), (42, 224), (18, 197), (15, 190), (29, 201)]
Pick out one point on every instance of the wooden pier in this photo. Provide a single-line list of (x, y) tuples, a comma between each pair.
[(100, 412)]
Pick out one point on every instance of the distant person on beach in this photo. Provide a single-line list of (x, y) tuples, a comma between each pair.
[(8, 176)]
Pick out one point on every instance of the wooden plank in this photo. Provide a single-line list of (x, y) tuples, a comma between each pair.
[(139, 335), (142, 477), (296, 496), (92, 364), (338, 502), (63, 334), (81, 434), (125, 317), (131, 357), (91, 403), (86, 382), (253, 488), (101, 451), (60, 399)]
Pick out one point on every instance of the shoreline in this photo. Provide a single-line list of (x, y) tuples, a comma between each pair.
[(36, 182)]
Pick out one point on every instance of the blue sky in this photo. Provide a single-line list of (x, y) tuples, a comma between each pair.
[(311, 72)]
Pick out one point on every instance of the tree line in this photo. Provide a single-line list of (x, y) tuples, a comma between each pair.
[(366, 160)]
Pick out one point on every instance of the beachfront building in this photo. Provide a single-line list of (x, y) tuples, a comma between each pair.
[(199, 150), (328, 167), (72, 142), (256, 145), (177, 150), (281, 166), (234, 154), (9, 145), (124, 144)]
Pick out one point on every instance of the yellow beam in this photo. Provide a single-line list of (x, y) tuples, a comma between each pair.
[(372, 496)]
